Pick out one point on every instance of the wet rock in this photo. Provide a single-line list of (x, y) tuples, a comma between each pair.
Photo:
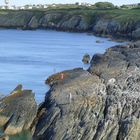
[(99, 41)]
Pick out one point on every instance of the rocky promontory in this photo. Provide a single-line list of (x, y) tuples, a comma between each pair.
[(99, 104), (102, 103), (17, 111)]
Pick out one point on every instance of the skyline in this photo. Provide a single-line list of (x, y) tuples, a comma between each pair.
[(115, 2)]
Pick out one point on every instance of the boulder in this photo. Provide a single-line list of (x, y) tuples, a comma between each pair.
[(86, 59)]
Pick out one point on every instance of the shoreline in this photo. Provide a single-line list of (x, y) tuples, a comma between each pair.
[(101, 102), (41, 89), (110, 38)]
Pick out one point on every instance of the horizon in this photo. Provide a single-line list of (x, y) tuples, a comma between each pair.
[(25, 2)]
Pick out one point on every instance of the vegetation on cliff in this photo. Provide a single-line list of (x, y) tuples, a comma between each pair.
[(115, 22)]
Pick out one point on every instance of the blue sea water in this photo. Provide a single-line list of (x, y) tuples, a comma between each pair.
[(29, 57)]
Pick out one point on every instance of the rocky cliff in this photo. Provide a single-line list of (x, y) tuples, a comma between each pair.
[(116, 23), (102, 103), (99, 104)]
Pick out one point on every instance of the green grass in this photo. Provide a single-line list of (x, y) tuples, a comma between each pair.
[(122, 15)]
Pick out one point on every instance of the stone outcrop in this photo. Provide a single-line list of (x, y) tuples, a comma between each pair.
[(17, 111), (86, 59), (99, 104)]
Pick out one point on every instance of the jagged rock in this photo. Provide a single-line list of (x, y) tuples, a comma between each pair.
[(17, 111), (115, 61), (100, 105), (99, 41), (72, 107), (86, 59)]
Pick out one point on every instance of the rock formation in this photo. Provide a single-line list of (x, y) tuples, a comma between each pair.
[(99, 104), (17, 111), (102, 103), (86, 59)]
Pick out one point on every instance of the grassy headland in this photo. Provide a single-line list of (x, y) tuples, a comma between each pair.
[(114, 21)]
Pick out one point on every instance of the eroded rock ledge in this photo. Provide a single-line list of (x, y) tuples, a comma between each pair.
[(102, 103)]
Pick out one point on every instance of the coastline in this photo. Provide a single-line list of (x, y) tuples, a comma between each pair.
[(90, 91), (97, 103), (124, 25)]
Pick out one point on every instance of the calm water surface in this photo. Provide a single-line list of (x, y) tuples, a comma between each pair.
[(29, 57)]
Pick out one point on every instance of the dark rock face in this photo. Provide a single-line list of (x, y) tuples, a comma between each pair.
[(116, 29), (17, 111), (100, 104)]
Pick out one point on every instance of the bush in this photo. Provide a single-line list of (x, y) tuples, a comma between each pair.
[(104, 5)]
